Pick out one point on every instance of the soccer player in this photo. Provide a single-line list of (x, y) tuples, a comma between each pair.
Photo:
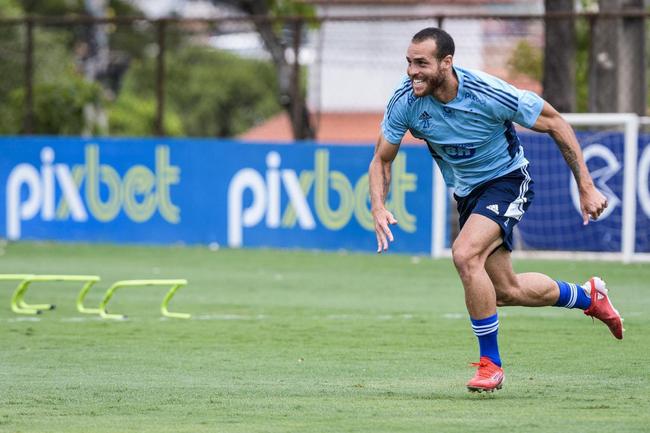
[(466, 118)]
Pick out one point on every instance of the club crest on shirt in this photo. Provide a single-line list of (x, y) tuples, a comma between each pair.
[(448, 113), (424, 120)]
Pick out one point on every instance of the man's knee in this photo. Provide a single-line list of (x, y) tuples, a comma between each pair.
[(466, 257)]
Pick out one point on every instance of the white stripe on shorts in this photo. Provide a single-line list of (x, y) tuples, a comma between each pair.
[(516, 208)]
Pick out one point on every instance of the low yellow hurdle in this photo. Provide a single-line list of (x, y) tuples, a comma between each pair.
[(18, 304), (176, 284), (15, 306)]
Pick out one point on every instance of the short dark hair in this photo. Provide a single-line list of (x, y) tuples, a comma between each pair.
[(444, 42)]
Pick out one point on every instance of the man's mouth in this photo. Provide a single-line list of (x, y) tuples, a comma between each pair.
[(418, 84)]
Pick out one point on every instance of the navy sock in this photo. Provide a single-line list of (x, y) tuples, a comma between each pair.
[(572, 296), (486, 331)]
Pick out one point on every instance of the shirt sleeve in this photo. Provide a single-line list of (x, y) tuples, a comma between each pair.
[(395, 122), (509, 102), (529, 108)]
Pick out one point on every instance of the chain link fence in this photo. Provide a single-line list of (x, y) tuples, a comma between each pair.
[(238, 77)]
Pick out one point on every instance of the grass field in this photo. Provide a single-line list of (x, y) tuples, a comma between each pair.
[(309, 342)]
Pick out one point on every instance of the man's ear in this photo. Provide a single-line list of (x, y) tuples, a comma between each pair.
[(447, 62)]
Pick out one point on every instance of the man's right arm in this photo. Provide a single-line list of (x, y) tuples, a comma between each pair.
[(379, 175)]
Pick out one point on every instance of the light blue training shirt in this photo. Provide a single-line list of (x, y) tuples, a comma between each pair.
[(472, 137)]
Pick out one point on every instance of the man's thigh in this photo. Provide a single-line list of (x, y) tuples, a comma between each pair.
[(479, 236)]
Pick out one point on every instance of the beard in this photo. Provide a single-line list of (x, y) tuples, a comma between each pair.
[(437, 81), (433, 83)]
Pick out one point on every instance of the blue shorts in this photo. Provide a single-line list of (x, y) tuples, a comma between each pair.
[(504, 200)]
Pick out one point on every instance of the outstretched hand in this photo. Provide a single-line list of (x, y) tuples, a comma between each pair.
[(383, 218), (592, 204)]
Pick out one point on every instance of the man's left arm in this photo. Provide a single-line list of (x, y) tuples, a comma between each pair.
[(592, 201)]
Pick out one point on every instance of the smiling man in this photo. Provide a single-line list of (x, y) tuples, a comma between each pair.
[(466, 118)]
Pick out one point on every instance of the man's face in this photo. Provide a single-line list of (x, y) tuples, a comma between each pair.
[(426, 72)]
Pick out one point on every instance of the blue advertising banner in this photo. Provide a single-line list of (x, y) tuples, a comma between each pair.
[(554, 221), (207, 191), (643, 193)]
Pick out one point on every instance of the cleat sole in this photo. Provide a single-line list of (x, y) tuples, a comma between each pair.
[(480, 390)]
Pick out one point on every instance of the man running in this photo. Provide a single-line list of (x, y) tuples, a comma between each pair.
[(466, 118)]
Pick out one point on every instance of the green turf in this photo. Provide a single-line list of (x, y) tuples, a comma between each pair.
[(308, 342)]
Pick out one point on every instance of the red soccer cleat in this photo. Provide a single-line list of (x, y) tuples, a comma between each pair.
[(488, 377), (602, 309)]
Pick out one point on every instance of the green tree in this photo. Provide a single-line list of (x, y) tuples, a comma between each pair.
[(583, 36), (135, 116), (9, 8), (58, 86), (527, 60), (276, 41), (11, 49), (68, 7), (218, 94), (54, 67), (58, 106)]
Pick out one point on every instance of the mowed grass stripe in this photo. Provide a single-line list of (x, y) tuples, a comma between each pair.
[(287, 341)]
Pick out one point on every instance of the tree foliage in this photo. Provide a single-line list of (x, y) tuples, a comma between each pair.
[(582, 65), (526, 60), (60, 93), (69, 7), (10, 8), (134, 116), (218, 94), (277, 38), (58, 106)]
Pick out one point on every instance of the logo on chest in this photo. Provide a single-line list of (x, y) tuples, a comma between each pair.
[(459, 152)]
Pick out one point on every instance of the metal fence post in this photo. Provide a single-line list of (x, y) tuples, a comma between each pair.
[(28, 121), (297, 114), (160, 79)]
